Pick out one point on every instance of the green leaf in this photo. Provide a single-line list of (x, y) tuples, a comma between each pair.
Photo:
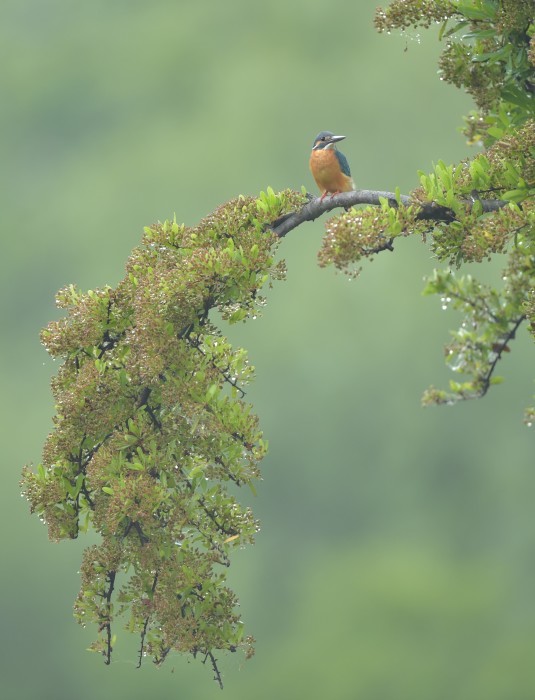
[(135, 466), (515, 195), (212, 391)]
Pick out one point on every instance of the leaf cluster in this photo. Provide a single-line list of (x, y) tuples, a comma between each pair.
[(491, 319), (489, 52), (365, 232), (152, 432)]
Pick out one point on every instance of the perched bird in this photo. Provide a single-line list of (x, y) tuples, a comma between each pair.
[(329, 167)]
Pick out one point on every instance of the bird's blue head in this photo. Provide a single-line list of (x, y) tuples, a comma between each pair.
[(326, 139)]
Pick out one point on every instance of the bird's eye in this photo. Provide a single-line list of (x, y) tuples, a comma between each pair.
[(324, 138)]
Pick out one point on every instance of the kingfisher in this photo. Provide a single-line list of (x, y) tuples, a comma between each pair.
[(329, 167)]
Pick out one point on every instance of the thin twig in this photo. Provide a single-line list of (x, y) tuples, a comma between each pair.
[(111, 580), (215, 668), (485, 380), (146, 624)]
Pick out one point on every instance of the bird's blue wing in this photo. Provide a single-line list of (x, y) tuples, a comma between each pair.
[(344, 165)]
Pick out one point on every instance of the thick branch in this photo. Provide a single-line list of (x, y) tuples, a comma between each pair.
[(316, 207)]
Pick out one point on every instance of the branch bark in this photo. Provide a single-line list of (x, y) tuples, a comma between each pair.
[(316, 207)]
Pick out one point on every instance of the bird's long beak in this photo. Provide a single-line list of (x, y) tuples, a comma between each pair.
[(336, 138)]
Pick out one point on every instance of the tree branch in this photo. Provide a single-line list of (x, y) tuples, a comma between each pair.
[(215, 668), (316, 207), (499, 350), (146, 624), (107, 624)]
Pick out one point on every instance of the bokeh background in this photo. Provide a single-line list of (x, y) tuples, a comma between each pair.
[(396, 557)]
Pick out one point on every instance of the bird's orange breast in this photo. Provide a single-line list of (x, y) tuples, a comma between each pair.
[(326, 171)]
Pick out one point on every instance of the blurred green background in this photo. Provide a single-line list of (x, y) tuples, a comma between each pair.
[(395, 559)]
